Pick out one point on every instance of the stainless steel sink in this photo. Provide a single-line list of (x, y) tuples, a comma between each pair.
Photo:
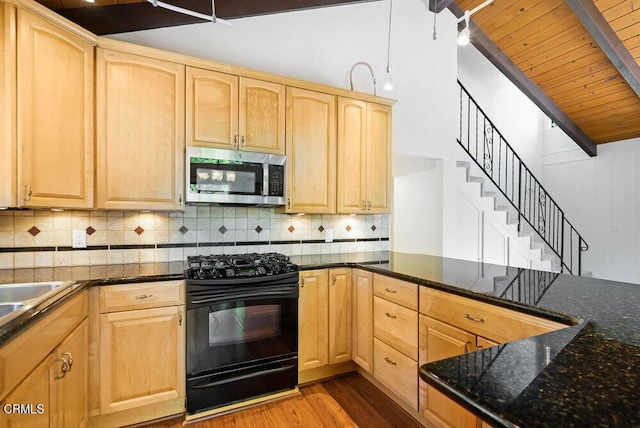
[(7, 308), (28, 291), (16, 299)]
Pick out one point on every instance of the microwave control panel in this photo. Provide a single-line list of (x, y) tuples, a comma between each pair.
[(276, 180)]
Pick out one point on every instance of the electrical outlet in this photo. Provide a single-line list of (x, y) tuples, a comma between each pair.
[(328, 235), (79, 239)]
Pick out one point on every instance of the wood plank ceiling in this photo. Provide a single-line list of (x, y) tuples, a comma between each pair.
[(547, 41)]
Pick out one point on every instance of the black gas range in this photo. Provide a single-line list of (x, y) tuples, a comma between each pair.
[(249, 265), (242, 328)]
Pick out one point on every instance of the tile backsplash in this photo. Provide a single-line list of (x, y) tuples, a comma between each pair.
[(44, 238)]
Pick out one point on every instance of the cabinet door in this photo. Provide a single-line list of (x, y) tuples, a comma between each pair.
[(142, 357), (311, 151), (212, 109), (140, 124), (438, 341), (262, 116), (55, 110), (7, 106), (378, 159), (36, 389), (73, 387), (313, 319), (352, 144), (339, 315), (362, 309)]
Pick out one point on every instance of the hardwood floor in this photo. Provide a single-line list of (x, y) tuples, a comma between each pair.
[(348, 401)]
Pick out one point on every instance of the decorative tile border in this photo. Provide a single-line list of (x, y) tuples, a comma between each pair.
[(134, 237)]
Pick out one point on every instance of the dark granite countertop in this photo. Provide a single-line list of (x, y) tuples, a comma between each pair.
[(587, 374)]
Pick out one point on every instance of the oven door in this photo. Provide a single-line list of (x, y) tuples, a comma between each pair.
[(231, 325)]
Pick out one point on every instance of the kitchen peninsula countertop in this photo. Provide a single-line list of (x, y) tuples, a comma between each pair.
[(587, 374)]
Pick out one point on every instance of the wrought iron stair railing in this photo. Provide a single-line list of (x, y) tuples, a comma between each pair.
[(501, 164)]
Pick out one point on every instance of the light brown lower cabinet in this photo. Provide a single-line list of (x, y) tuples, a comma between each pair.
[(324, 323), (138, 352), (54, 391), (439, 341), (395, 337), (362, 312)]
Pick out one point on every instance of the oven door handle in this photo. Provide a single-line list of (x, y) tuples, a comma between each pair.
[(243, 377)]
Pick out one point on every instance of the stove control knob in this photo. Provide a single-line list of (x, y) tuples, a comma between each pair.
[(230, 273), (261, 270)]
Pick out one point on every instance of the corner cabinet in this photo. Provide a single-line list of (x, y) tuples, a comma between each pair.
[(139, 352), (324, 323), (7, 106), (311, 152), (140, 132), (234, 112), (46, 367), (55, 111), (364, 157)]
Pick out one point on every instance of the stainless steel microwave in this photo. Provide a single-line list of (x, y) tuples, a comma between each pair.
[(234, 177)]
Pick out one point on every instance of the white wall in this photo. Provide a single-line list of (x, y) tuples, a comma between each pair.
[(602, 195), (321, 45)]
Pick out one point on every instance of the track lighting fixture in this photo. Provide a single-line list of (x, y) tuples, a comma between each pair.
[(464, 36)]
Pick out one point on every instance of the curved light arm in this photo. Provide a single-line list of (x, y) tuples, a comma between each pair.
[(373, 77)]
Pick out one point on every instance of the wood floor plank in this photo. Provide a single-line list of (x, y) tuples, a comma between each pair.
[(348, 401), (384, 408)]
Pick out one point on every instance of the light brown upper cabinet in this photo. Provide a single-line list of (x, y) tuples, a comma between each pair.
[(364, 157), (231, 112), (7, 106), (56, 113), (311, 152), (140, 132)]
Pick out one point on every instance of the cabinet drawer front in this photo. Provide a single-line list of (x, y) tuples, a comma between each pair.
[(493, 322), (139, 296), (396, 325), (401, 292), (396, 371)]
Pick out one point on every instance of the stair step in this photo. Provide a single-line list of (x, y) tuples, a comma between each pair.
[(502, 208), (463, 164), (474, 179), (489, 194)]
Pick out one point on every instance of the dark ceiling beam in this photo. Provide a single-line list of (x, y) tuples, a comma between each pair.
[(123, 18), (502, 62), (608, 40), (438, 6)]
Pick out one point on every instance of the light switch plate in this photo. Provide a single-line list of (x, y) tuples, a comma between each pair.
[(328, 235), (79, 239)]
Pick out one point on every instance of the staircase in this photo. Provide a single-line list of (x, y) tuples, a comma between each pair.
[(516, 192), (480, 192)]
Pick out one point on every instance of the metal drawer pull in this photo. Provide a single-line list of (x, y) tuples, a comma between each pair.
[(70, 362), (393, 363), (389, 290), (472, 318), (390, 316), (65, 366), (144, 296)]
